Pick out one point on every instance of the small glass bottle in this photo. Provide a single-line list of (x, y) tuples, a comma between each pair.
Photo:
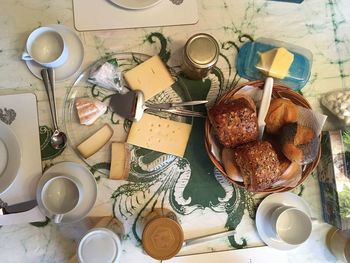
[(201, 53), (338, 242)]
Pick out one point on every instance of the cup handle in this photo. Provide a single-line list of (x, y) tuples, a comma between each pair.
[(26, 56), (57, 218)]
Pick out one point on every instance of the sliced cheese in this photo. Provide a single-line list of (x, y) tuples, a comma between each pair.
[(276, 62), (120, 161), (151, 77), (96, 141), (158, 134)]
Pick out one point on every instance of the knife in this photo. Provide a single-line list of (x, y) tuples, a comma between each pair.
[(17, 208), (170, 105)]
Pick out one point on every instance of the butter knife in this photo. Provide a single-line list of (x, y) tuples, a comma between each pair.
[(206, 238), (17, 208)]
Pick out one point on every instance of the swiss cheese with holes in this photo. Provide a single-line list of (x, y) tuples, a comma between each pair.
[(159, 134), (151, 77)]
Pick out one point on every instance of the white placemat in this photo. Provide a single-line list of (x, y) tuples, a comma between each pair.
[(19, 111), (102, 14)]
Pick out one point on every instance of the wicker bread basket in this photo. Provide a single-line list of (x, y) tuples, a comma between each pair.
[(279, 91)]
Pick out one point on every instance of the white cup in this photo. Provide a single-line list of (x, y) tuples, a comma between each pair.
[(338, 242), (291, 225), (60, 195), (46, 47)]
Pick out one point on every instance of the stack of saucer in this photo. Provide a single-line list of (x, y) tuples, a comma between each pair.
[(283, 221), (74, 56)]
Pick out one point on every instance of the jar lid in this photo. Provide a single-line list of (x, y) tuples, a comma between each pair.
[(99, 245), (202, 50), (162, 238)]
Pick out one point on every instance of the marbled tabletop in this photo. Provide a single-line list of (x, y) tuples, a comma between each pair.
[(323, 27)]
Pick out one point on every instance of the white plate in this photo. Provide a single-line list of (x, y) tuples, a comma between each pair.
[(89, 186), (11, 157), (75, 55), (263, 214), (136, 4)]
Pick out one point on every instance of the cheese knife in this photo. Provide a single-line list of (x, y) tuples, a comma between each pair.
[(17, 208)]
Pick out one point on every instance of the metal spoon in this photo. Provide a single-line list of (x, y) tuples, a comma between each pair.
[(58, 138)]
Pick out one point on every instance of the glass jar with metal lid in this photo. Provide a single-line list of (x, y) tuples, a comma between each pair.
[(162, 236), (201, 53)]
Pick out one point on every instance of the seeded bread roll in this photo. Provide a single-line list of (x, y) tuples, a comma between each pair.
[(281, 112), (234, 122), (258, 164)]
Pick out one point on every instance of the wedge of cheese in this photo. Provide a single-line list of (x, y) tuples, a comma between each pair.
[(96, 141), (120, 161), (151, 77), (276, 62), (158, 134), (89, 110)]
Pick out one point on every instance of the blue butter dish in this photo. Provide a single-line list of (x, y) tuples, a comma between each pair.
[(248, 62)]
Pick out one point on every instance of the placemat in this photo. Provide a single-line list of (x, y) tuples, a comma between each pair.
[(102, 14), (19, 111)]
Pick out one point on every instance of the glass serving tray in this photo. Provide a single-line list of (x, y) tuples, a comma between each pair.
[(76, 132)]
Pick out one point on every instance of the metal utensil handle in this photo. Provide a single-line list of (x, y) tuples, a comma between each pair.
[(53, 92), (47, 85), (171, 105), (188, 103), (183, 112), (206, 238), (180, 112)]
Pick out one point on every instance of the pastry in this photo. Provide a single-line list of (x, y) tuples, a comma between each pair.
[(89, 110), (234, 122), (258, 164), (231, 168), (281, 112), (299, 143)]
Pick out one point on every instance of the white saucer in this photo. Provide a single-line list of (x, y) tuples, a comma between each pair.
[(10, 155), (136, 4), (265, 209), (89, 187), (75, 55)]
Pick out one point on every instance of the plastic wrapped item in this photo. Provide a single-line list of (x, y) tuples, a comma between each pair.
[(338, 102), (107, 75), (287, 63)]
